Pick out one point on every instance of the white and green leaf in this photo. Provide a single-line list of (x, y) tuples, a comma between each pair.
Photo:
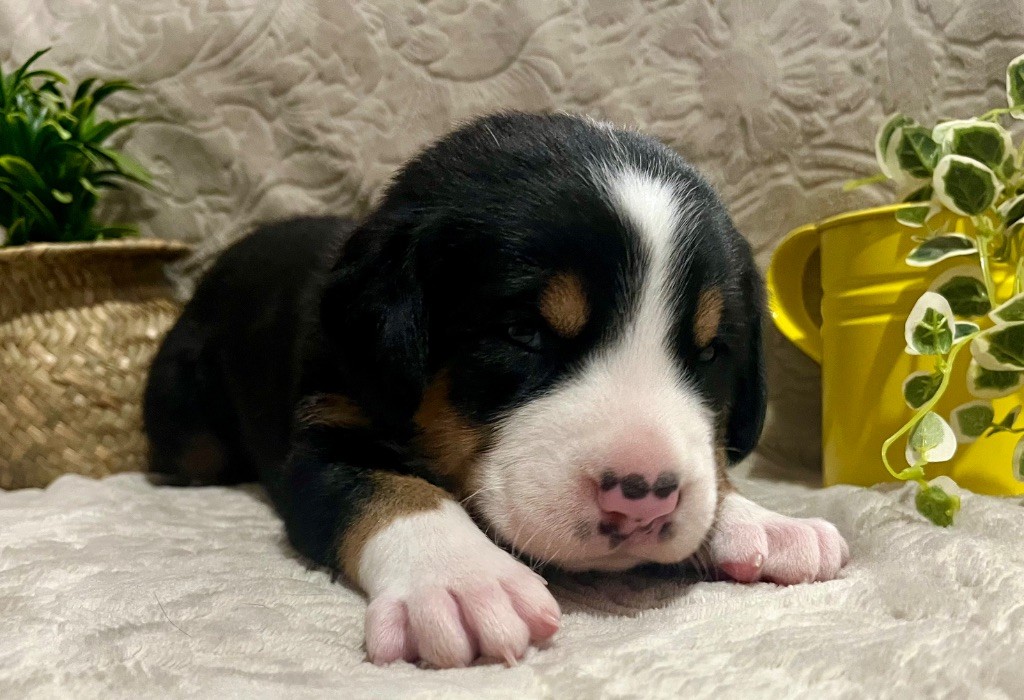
[(964, 329), (886, 156), (931, 440), (1015, 87), (1000, 348), (992, 384), (921, 195), (940, 248), (964, 185), (970, 420), (915, 216), (919, 387), (1018, 460), (929, 327), (916, 151), (1009, 419), (984, 141), (1012, 210), (1010, 311), (964, 289)]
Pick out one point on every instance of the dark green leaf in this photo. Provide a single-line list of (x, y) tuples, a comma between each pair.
[(962, 329), (23, 172), (1010, 311), (921, 194), (1009, 419), (916, 153), (982, 146), (966, 295), (920, 387), (109, 88), (964, 185), (98, 133), (1018, 460), (971, 420), (940, 248), (932, 335), (937, 505), (883, 139), (1000, 348), (83, 89), (1012, 210), (992, 384), (913, 216), (1015, 86), (982, 141), (62, 197)]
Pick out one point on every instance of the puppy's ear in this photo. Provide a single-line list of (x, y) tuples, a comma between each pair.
[(374, 320), (750, 400)]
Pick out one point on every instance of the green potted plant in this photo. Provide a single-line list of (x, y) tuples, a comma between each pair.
[(82, 303), (918, 318)]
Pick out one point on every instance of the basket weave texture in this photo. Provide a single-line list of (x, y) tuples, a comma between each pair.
[(79, 325)]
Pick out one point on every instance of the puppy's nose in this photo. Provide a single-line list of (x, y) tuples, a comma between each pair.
[(635, 499)]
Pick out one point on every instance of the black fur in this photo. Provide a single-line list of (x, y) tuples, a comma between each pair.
[(457, 252)]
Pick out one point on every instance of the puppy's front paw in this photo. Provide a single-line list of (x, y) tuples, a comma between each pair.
[(751, 543), (452, 596), (449, 624)]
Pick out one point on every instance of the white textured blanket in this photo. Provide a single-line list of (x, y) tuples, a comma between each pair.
[(118, 588)]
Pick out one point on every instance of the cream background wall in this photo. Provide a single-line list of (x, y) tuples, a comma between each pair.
[(261, 108)]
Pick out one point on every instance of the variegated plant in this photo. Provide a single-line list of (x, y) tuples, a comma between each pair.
[(970, 168)]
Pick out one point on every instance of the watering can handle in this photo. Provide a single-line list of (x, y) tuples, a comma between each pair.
[(788, 293)]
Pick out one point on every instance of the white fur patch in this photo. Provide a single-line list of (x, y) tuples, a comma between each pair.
[(441, 592), (538, 479)]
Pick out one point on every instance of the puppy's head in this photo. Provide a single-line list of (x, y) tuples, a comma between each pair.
[(562, 320)]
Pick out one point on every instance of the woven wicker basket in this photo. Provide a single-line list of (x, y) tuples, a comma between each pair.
[(79, 324)]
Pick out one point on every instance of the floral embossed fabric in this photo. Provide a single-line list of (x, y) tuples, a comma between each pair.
[(258, 109)]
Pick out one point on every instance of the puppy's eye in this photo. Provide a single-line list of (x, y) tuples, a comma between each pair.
[(707, 354), (526, 335)]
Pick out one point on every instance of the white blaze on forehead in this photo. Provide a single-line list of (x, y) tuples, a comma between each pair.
[(649, 204), (654, 209)]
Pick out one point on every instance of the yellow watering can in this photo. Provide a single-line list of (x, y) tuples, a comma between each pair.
[(841, 291)]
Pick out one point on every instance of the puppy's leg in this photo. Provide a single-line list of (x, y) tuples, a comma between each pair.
[(751, 543), (440, 591), (185, 414)]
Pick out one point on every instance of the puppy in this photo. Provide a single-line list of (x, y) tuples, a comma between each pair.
[(547, 335)]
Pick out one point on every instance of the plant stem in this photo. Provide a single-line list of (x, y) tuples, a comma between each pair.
[(984, 234), (993, 113), (947, 371), (850, 185)]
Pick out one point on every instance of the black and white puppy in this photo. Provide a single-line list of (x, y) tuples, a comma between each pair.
[(546, 335)]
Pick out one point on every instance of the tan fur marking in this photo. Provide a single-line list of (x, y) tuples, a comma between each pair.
[(725, 486), (333, 410), (447, 437), (564, 305), (394, 496), (708, 316)]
